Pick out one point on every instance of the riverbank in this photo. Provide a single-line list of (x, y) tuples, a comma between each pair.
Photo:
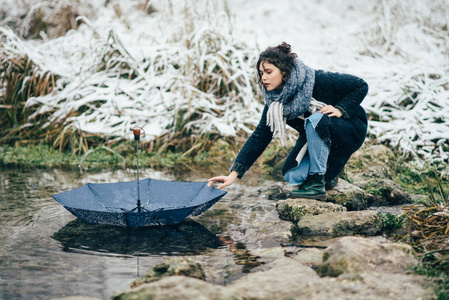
[(123, 155)]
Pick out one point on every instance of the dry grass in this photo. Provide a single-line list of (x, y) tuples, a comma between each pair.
[(429, 223), (20, 79)]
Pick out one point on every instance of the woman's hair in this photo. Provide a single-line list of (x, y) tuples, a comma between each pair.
[(281, 56)]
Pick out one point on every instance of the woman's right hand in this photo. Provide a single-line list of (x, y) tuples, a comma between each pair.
[(227, 180)]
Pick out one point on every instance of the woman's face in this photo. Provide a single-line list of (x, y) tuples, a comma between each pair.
[(271, 76)]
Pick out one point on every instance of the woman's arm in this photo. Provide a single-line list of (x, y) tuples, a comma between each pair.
[(347, 91), (250, 152), (254, 146)]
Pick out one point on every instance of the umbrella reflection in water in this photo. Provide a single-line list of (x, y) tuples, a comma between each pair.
[(187, 238)]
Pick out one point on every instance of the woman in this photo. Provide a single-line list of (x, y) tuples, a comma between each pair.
[(323, 107)]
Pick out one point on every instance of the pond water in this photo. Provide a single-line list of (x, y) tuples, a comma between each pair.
[(46, 253)]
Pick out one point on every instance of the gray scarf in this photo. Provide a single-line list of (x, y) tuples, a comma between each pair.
[(292, 101)]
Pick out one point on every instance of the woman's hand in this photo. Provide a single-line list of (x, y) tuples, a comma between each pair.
[(227, 180), (331, 111)]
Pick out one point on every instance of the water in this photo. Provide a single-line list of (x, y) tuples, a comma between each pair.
[(45, 252)]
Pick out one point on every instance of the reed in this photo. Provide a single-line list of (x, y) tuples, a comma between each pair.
[(20, 79)]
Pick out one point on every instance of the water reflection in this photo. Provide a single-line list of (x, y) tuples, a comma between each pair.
[(187, 238)]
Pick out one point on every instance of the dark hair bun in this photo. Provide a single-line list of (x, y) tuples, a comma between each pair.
[(284, 47)]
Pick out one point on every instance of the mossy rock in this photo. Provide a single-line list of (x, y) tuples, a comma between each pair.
[(365, 223), (349, 255), (173, 266), (294, 209), (348, 195)]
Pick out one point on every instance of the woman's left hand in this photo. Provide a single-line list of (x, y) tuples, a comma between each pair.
[(331, 111)]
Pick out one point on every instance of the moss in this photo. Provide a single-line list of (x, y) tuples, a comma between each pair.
[(289, 212), (333, 269), (377, 191), (171, 267), (300, 231), (438, 277), (352, 201), (391, 223)]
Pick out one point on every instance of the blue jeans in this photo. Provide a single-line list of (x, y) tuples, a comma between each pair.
[(315, 158)]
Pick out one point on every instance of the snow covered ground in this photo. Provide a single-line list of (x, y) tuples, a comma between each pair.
[(191, 64)]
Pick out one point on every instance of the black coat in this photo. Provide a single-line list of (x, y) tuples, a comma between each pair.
[(343, 135)]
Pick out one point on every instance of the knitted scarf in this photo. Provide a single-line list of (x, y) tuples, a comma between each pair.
[(292, 101)]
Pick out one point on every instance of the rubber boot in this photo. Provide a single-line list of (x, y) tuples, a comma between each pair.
[(329, 185), (312, 189)]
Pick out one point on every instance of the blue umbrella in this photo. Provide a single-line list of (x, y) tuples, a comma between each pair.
[(146, 202), (163, 202)]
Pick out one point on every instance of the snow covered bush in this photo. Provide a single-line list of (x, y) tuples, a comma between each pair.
[(184, 70), (410, 100), (178, 73), (51, 18)]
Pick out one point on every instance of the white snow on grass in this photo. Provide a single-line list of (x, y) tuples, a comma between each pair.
[(190, 65)]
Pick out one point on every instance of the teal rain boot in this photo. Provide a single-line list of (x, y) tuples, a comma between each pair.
[(312, 189)]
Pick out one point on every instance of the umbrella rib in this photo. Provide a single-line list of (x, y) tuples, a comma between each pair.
[(195, 195), (97, 197), (161, 208), (148, 193)]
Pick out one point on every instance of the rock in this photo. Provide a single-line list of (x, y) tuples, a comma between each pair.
[(374, 286), (357, 254), (371, 168), (76, 298), (311, 257), (276, 191), (272, 229), (371, 162), (270, 254), (173, 266), (289, 279), (374, 155), (294, 209), (366, 223), (282, 279), (178, 288), (350, 196), (389, 192)]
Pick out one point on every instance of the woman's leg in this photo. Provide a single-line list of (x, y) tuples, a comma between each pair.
[(298, 175), (318, 152)]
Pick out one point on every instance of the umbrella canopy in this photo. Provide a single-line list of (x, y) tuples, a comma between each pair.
[(145, 202)]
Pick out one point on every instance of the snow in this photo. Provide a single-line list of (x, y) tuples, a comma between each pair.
[(163, 70)]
